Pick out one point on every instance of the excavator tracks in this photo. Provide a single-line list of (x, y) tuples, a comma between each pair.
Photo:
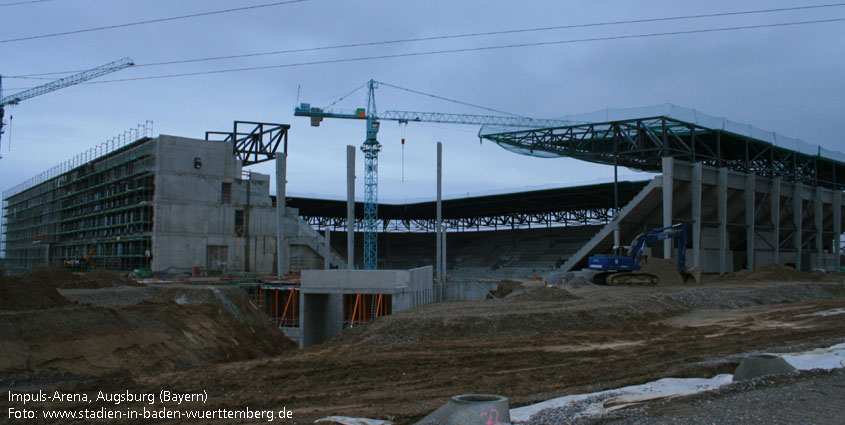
[(625, 279)]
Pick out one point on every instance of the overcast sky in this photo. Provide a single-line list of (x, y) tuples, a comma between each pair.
[(784, 79)]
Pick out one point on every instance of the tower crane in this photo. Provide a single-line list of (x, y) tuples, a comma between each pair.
[(371, 146), (61, 83)]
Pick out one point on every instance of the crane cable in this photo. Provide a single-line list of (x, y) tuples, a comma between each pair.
[(454, 36), (471, 49)]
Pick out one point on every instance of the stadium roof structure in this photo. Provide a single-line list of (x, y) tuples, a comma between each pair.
[(637, 138), (578, 205)]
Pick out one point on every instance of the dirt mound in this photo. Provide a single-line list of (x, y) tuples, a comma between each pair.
[(28, 294), (104, 279), (776, 273), (505, 287), (55, 277), (578, 282), (153, 336), (666, 271), (547, 294)]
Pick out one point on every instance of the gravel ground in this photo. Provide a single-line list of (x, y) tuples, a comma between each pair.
[(814, 397)]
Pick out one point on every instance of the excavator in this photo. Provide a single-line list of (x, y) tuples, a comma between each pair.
[(618, 269)]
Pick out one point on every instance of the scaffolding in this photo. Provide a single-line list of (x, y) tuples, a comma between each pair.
[(361, 308), (100, 210)]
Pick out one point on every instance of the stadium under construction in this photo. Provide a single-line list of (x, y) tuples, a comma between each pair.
[(171, 204)]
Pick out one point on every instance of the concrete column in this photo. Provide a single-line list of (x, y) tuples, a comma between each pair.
[(350, 206), (695, 187), (668, 189), (282, 259), (797, 219), (438, 224), (750, 205), (775, 214), (722, 207), (837, 225), (443, 258), (327, 253), (617, 237), (817, 222)]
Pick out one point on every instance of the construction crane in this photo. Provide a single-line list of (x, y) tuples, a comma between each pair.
[(371, 146), (61, 83)]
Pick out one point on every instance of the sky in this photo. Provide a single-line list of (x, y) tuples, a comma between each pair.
[(785, 79)]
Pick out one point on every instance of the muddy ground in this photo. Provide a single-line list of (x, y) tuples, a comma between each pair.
[(542, 343)]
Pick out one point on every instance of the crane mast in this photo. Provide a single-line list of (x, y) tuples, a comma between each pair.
[(372, 147), (61, 83)]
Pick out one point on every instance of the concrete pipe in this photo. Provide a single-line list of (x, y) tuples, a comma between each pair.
[(471, 409), (761, 365)]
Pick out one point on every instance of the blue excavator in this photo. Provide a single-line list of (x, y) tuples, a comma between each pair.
[(619, 269)]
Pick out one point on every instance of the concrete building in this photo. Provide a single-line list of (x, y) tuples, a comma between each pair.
[(166, 204)]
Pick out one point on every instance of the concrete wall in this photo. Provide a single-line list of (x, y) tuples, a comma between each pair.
[(321, 296), (469, 289), (419, 289), (191, 215), (320, 317)]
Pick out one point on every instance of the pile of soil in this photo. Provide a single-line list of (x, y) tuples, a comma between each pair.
[(544, 294), (505, 287), (776, 273), (155, 335), (55, 277), (104, 279), (666, 271), (28, 294), (577, 282), (63, 279)]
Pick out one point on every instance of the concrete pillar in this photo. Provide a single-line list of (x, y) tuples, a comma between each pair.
[(282, 257), (775, 214), (837, 225), (722, 207), (750, 205), (438, 224), (327, 252), (350, 206), (797, 219), (668, 189), (817, 222), (695, 187), (617, 237), (443, 258)]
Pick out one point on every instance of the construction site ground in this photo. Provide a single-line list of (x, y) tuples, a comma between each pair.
[(532, 345)]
